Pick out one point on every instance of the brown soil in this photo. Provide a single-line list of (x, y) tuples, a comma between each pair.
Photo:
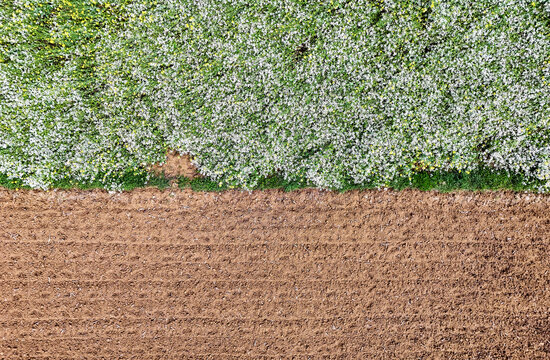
[(304, 275), (176, 165)]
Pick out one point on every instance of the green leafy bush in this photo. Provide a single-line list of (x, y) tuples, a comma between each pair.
[(331, 93)]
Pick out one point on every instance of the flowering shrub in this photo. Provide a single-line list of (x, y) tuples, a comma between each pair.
[(329, 92)]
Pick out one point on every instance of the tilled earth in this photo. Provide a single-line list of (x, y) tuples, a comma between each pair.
[(310, 274)]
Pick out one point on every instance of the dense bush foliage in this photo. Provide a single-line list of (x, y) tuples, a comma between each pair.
[(331, 92)]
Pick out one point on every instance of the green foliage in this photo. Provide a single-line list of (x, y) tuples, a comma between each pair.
[(129, 182), (478, 180), (330, 93)]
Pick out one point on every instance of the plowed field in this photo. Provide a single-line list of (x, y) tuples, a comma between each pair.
[(311, 274)]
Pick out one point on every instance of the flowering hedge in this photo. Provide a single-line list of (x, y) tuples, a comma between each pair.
[(330, 92)]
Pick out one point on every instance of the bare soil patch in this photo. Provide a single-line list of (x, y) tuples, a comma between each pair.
[(176, 165), (311, 274)]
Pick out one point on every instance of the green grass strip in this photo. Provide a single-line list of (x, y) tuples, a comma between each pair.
[(130, 181), (477, 180)]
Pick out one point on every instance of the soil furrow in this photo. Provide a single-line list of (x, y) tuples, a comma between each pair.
[(309, 274)]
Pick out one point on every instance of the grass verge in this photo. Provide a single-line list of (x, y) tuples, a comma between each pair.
[(129, 181), (479, 180)]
